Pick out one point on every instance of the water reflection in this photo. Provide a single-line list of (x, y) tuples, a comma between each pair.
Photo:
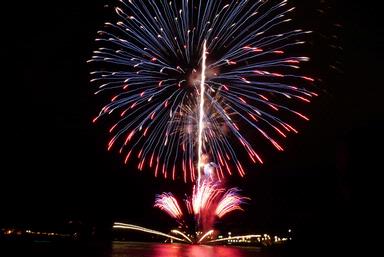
[(128, 249), (163, 250), (134, 249)]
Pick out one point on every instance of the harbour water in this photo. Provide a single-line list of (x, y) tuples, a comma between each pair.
[(138, 249)]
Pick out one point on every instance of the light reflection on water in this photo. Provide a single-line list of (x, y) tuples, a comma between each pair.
[(130, 249)]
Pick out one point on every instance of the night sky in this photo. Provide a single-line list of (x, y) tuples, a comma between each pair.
[(56, 167)]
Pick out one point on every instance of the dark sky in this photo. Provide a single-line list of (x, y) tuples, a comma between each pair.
[(56, 166)]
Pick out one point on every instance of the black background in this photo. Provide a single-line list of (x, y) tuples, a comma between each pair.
[(325, 186)]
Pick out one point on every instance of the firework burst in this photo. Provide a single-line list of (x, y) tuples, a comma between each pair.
[(191, 77), (168, 203), (209, 201)]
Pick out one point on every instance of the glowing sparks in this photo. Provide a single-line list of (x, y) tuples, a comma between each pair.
[(203, 196), (168, 203), (229, 202), (169, 97), (209, 201)]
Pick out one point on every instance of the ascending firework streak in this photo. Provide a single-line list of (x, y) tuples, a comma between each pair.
[(172, 65), (201, 113)]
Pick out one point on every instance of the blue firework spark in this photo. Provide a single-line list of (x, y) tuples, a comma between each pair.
[(149, 61)]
